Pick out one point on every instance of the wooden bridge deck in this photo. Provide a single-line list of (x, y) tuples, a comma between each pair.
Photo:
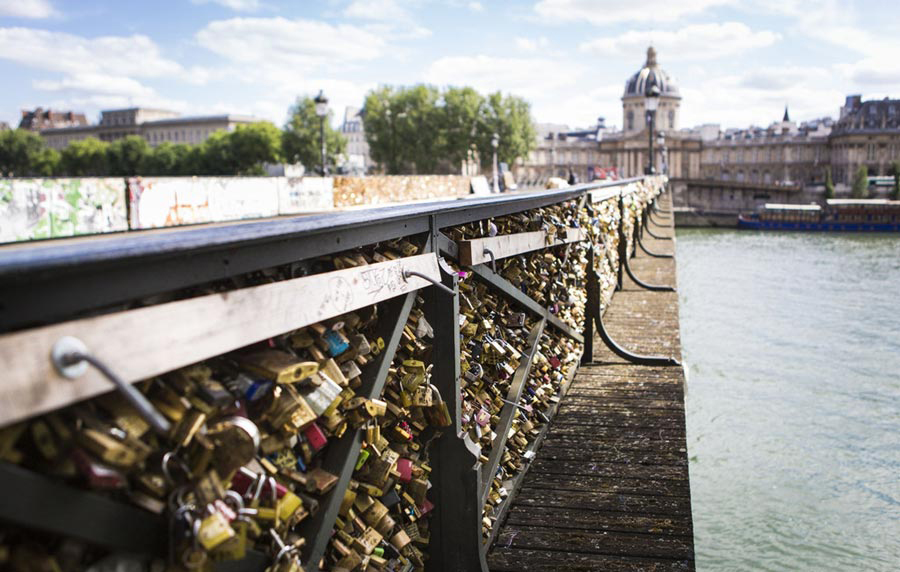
[(609, 487)]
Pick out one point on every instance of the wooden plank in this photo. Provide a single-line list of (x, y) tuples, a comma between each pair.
[(634, 471), (472, 252), (588, 518), (597, 542), (660, 487), (139, 344), (505, 559)]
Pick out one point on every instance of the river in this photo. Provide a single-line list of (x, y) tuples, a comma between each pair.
[(791, 343)]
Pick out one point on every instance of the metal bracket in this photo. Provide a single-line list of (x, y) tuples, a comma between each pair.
[(490, 253), (641, 283), (70, 357), (597, 318), (653, 254), (435, 283)]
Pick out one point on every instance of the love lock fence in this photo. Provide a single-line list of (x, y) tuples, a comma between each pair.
[(362, 390)]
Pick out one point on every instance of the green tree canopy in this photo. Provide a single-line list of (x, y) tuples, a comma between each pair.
[(510, 118), (22, 153), (126, 157), (301, 139), (417, 129), (85, 158), (861, 183), (252, 145)]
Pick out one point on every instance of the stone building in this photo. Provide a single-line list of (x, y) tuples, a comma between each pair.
[(559, 149), (155, 125), (41, 118), (676, 152), (782, 154), (358, 158), (866, 133)]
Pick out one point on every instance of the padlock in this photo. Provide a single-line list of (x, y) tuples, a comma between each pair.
[(277, 366)]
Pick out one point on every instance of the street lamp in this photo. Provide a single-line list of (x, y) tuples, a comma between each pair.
[(495, 142), (322, 111), (651, 102), (663, 163)]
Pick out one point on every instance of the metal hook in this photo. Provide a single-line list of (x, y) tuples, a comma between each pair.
[(438, 285), (70, 357), (490, 253)]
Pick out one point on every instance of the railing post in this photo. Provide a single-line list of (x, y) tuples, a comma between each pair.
[(456, 540), (623, 245)]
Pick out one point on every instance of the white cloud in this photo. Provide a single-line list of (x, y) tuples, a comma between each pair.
[(601, 12), (96, 84), (135, 55), (236, 5), (693, 42), (527, 77), (476, 7), (531, 44), (31, 9), (390, 19), (258, 47)]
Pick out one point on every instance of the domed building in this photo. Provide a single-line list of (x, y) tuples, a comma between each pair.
[(627, 150), (634, 116)]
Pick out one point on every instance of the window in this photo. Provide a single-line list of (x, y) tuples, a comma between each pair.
[(630, 120), (671, 119), (870, 152)]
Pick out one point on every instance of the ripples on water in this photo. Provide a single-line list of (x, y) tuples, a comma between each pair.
[(792, 343)]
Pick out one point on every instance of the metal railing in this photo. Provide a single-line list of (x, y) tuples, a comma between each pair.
[(48, 288)]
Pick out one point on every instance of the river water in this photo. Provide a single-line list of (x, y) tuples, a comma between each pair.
[(792, 348)]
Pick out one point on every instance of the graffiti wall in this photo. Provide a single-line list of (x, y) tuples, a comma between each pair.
[(33, 209), (174, 201)]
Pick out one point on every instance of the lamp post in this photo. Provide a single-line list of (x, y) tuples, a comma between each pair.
[(651, 101), (322, 111), (663, 160), (495, 142)]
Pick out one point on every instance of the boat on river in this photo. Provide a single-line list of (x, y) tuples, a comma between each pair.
[(838, 215)]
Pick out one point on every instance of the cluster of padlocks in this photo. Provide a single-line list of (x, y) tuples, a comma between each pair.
[(324, 436)]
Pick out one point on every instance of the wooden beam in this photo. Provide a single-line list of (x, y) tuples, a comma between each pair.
[(139, 344), (472, 252)]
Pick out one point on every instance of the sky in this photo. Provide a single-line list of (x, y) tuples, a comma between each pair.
[(737, 62)]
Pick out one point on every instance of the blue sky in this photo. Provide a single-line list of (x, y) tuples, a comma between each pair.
[(738, 62)]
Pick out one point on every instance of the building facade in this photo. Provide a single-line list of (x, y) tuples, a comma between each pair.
[(560, 151), (676, 151), (155, 125), (41, 118), (782, 154), (358, 158), (866, 133)]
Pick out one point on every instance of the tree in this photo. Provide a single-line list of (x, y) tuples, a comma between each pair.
[(460, 122), (46, 163), (21, 153), (252, 145), (85, 158), (510, 118), (829, 184), (301, 139), (126, 157), (895, 172), (861, 183)]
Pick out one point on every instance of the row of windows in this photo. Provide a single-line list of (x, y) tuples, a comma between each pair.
[(660, 120), (179, 136)]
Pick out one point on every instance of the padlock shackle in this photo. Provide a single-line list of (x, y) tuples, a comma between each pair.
[(438, 285)]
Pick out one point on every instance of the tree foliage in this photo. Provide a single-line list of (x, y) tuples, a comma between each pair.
[(126, 157), (85, 158), (22, 153), (301, 138), (861, 183), (829, 184), (420, 129)]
